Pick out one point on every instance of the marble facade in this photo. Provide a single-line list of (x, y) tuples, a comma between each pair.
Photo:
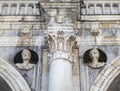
[(60, 34)]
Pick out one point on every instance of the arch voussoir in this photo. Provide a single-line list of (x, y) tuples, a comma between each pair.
[(12, 77), (107, 75)]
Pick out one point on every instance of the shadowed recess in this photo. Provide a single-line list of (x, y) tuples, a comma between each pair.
[(115, 85), (34, 57), (4, 86), (87, 59)]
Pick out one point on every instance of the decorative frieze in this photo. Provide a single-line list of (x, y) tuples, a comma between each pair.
[(39, 40)]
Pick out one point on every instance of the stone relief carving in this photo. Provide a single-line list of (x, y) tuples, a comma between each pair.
[(61, 16), (95, 58), (25, 31), (26, 56), (25, 34), (60, 41), (94, 55), (61, 44), (26, 59)]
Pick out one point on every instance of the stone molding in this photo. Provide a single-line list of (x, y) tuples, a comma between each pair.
[(99, 1), (108, 74), (63, 5), (39, 40), (101, 40), (12, 77), (100, 17), (21, 41), (30, 18)]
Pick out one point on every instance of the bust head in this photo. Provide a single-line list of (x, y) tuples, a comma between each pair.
[(94, 54), (26, 55)]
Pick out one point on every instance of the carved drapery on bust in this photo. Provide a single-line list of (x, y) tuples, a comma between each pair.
[(94, 55), (25, 60), (26, 56)]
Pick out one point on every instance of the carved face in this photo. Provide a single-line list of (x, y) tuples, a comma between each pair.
[(94, 53), (26, 55), (25, 31)]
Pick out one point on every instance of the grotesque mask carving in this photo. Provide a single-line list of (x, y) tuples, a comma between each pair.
[(25, 31)]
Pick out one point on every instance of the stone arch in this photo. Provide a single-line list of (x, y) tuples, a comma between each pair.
[(106, 77), (12, 77)]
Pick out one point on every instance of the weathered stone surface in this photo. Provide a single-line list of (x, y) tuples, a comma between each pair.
[(64, 16)]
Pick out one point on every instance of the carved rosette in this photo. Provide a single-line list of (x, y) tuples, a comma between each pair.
[(61, 45)]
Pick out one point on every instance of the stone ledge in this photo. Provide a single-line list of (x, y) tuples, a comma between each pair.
[(99, 1), (101, 40), (55, 5), (39, 41), (14, 18), (100, 17), (21, 41)]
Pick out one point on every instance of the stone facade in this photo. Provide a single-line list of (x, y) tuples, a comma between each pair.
[(60, 32)]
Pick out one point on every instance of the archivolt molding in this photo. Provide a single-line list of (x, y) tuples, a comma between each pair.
[(12, 77), (106, 77)]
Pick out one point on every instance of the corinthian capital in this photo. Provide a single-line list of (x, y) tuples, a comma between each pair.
[(60, 41)]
